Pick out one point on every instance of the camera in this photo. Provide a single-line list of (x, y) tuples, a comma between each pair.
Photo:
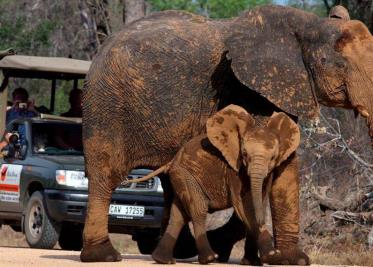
[(22, 105), (12, 137)]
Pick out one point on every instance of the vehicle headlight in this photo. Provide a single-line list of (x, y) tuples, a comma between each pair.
[(159, 186), (71, 178)]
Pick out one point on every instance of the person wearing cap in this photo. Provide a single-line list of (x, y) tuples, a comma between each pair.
[(22, 108)]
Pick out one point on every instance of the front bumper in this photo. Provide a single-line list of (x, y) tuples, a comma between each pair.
[(71, 206)]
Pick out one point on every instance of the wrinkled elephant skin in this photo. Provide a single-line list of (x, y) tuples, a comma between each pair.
[(153, 85)]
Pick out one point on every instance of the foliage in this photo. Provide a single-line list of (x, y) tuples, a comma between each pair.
[(209, 8), (21, 36), (43, 28), (315, 6)]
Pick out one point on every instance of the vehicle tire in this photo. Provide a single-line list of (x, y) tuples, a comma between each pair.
[(147, 245), (40, 230), (71, 238), (147, 240)]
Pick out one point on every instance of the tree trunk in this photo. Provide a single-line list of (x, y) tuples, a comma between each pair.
[(133, 10), (96, 21)]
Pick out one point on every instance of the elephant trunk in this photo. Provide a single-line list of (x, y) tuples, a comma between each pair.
[(257, 172)]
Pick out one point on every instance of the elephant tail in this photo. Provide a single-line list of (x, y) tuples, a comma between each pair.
[(163, 169)]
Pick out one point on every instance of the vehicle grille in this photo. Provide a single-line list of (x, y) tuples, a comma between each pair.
[(75, 209), (146, 185)]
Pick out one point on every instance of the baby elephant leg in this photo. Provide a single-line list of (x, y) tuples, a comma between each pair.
[(251, 250), (164, 250), (205, 253), (198, 212), (268, 254)]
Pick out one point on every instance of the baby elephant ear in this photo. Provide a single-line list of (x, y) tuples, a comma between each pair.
[(224, 130), (288, 133)]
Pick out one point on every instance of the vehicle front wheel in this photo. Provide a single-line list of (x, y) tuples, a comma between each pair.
[(147, 241), (71, 237), (41, 231), (146, 246)]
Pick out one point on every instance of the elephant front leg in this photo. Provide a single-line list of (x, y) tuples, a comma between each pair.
[(285, 213), (268, 253), (96, 242), (251, 249)]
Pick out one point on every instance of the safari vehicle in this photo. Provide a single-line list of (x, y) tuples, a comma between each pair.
[(43, 188)]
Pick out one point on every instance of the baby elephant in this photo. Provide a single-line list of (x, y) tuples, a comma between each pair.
[(228, 167)]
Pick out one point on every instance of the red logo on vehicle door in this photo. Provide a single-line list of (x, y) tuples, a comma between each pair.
[(3, 172)]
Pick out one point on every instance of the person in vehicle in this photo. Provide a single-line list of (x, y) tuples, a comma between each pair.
[(22, 107), (10, 140), (75, 100), (5, 140)]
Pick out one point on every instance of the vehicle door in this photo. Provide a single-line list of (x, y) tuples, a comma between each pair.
[(12, 171)]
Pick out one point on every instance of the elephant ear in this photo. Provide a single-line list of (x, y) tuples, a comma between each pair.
[(339, 12), (266, 57), (288, 134), (224, 130)]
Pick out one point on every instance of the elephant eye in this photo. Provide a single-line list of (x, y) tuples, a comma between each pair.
[(323, 60), (340, 64)]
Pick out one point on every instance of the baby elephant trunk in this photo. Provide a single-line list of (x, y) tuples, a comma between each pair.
[(258, 172)]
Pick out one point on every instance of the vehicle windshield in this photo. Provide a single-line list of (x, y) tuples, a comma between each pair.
[(54, 138)]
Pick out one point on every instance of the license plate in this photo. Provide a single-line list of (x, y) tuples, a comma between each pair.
[(126, 211)]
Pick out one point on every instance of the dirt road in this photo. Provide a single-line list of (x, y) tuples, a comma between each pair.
[(24, 257)]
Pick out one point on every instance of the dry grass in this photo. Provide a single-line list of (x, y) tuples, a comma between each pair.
[(10, 238), (339, 250), (359, 258), (124, 244)]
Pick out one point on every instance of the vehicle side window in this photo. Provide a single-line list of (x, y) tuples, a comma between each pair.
[(56, 138), (40, 140)]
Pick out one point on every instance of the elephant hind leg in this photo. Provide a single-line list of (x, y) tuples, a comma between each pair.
[(105, 169), (96, 243), (164, 252), (205, 252), (197, 206)]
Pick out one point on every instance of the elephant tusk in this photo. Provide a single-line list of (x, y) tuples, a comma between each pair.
[(365, 114), (363, 111)]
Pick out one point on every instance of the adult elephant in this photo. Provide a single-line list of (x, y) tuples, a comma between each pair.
[(153, 85)]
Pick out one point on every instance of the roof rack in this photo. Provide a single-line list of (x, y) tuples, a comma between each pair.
[(60, 118)]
